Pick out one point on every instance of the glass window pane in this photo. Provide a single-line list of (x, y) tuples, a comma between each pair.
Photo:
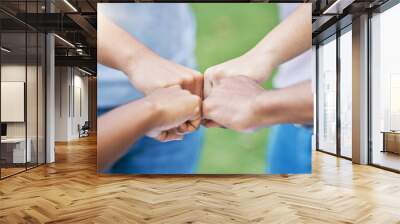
[(327, 97), (385, 86), (41, 89), (41, 98), (31, 88), (31, 97), (346, 94), (23, 90), (13, 86)]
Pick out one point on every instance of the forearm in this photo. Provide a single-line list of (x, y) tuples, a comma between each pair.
[(117, 48), (293, 104), (287, 40), (120, 128)]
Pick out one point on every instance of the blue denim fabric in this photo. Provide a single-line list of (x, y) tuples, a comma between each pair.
[(168, 30), (149, 156), (289, 150)]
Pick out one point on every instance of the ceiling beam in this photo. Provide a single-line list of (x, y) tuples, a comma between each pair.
[(78, 61), (337, 7), (85, 25)]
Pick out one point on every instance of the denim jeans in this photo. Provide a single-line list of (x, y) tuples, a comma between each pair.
[(149, 156), (289, 150)]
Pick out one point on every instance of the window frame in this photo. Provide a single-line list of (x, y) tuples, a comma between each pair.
[(378, 10), (340, 30), (333, 37), (29, 29)]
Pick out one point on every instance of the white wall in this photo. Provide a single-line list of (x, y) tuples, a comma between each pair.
[(33, 126), (81, 84), (62, 81), (12, 73), (69, 82)]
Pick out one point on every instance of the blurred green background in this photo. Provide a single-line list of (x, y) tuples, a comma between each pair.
[(225, 31)]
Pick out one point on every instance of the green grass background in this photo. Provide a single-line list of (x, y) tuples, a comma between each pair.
[(225, 31)]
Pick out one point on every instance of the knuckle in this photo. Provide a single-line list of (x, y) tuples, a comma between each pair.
[(164, 84), (197, 74), (197, 110), (199, 101), (187, 78), (177, 79), (206, 108), (185, 92), (210, 72), (175, 87), (196, 98), (198, 77), (180, 81)]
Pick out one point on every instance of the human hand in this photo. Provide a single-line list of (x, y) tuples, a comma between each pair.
[(173, 106), (151, 72), (232, 103), (252, 65), (146, 70)]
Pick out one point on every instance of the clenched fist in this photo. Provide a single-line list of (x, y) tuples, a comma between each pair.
[(151, 72), (173, 107), (232, 103)]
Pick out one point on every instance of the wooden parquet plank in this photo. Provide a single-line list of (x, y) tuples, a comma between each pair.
[(70, 191)]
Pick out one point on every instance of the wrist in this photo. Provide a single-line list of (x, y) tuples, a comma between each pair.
[(268, 108), (266, 54), (133, 58), (262, 63), (154, 113)]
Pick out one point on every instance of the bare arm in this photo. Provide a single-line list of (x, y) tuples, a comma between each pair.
[(239, 103), (120, 128), (116, 48), (146, 70), (286, 41), (293, 104), (162, 110), (289, 39)]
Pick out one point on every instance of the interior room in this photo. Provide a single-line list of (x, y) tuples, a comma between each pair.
[(385, 90), (48, 119), (22, 101), (46, 93), (335, 117), (71, 100), (334, 86)]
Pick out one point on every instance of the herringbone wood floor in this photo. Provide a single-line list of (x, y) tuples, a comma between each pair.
[(70, 191)]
